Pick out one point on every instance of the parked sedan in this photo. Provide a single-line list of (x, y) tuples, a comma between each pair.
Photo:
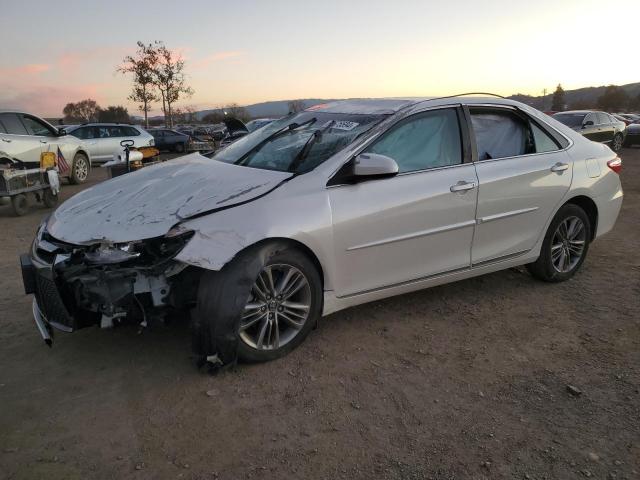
[(103, 139), (633, 135), (597, 126), (24, 137), (338, 205), (167, 139)]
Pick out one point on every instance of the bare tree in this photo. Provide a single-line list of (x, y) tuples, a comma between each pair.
[(170, 79), (142, 66), (84, 111), (296, 106)]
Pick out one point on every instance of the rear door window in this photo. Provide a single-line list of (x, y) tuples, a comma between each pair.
[(130, 131), (13, 124), (500, 134), (603, 118)]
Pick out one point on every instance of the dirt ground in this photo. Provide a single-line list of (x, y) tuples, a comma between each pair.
[(464, 381)]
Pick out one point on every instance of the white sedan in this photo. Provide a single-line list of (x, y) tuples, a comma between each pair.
[(335, 206)]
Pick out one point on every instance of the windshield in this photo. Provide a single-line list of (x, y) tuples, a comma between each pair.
[(297, 143), (570, 119)]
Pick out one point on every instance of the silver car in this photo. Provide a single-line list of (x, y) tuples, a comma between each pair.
[(24, 137), (341, 204), (103, 139)]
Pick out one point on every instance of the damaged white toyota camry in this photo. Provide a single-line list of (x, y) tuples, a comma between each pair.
[(341, 204)]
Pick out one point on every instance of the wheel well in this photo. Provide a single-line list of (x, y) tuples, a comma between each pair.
[(590, 208), (300, 246)]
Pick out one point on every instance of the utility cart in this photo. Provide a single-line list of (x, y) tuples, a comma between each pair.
[(19, 180)]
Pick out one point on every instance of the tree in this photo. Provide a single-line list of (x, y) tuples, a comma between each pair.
[(83, 112), (296, 106), (634, 103), (613, 99), (142, 66), (114, 114), (169, 77), (234, 110), (557, 105)]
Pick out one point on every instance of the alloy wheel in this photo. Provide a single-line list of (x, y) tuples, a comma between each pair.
[(567, 246), (80, 168), (617, 143), (277, 309)]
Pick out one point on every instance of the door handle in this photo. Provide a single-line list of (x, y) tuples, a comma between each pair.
[(43, 141), (462, 186), (8, 140), (559, 167)]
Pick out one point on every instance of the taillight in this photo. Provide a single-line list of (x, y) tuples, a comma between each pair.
[(615, 164)]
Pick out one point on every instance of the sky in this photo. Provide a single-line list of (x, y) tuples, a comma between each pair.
[(252, 51)]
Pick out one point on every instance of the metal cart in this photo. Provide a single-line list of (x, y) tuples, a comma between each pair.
[(17, 183)]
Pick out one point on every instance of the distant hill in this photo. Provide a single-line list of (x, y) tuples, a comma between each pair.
[(580, 98)]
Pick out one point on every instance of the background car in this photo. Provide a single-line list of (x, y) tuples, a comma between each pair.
[(167, 139), (596, 126), (103, 139), (629, 118), (254, 125), (633, 135), (24, 137)]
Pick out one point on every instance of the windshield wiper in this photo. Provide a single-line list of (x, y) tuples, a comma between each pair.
[(306, 148), (277, 133)]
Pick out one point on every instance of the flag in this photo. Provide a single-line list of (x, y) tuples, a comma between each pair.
[(63, 166)]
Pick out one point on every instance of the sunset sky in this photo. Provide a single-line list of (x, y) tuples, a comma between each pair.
[(251, 51)]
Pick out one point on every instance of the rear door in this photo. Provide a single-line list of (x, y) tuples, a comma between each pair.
[(523, 175), (17, 142), (412, 226), (605, 128), (590, 128)]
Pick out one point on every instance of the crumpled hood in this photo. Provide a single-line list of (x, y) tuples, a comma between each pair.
[(147, 203)]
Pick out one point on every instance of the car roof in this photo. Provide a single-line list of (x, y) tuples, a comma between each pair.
[(580, 112), (382, 106)]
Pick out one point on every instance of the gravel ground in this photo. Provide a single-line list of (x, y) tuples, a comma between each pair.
[(467, 380)]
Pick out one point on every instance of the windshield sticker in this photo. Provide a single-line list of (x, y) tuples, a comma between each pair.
[(344, 125)]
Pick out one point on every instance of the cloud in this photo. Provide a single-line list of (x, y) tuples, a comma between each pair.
[(217, 57), (25, 70), (46, 100)]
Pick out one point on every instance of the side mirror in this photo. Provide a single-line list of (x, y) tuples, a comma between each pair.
[(62, 132), (373, 165), (588, 123)]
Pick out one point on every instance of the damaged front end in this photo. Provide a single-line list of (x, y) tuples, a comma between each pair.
[(76, 286)]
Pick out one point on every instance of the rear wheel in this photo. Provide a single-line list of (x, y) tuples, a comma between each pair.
[(261, 305), (616, 144), (565, 246), (79, 169), (20, 204)]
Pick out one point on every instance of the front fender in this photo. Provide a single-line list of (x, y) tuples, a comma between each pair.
[(220, 236)]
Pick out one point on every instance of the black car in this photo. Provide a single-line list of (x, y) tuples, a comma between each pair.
[(166, 139), (597, 126)]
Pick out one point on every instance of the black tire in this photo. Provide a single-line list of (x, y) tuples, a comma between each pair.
[(79, 169), (616, 143), (49, 198), (20, 204), (222, 297), (543, 268), (180, 147)]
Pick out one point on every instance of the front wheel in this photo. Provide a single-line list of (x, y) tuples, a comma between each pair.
[(261, 305), (565, 246), (180, 148), (20, 204), (79, 169)]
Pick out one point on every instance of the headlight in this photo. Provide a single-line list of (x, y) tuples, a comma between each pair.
[(152, 142), (110, 255)]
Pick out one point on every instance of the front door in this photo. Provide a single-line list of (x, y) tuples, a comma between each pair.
[(417, 224)]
